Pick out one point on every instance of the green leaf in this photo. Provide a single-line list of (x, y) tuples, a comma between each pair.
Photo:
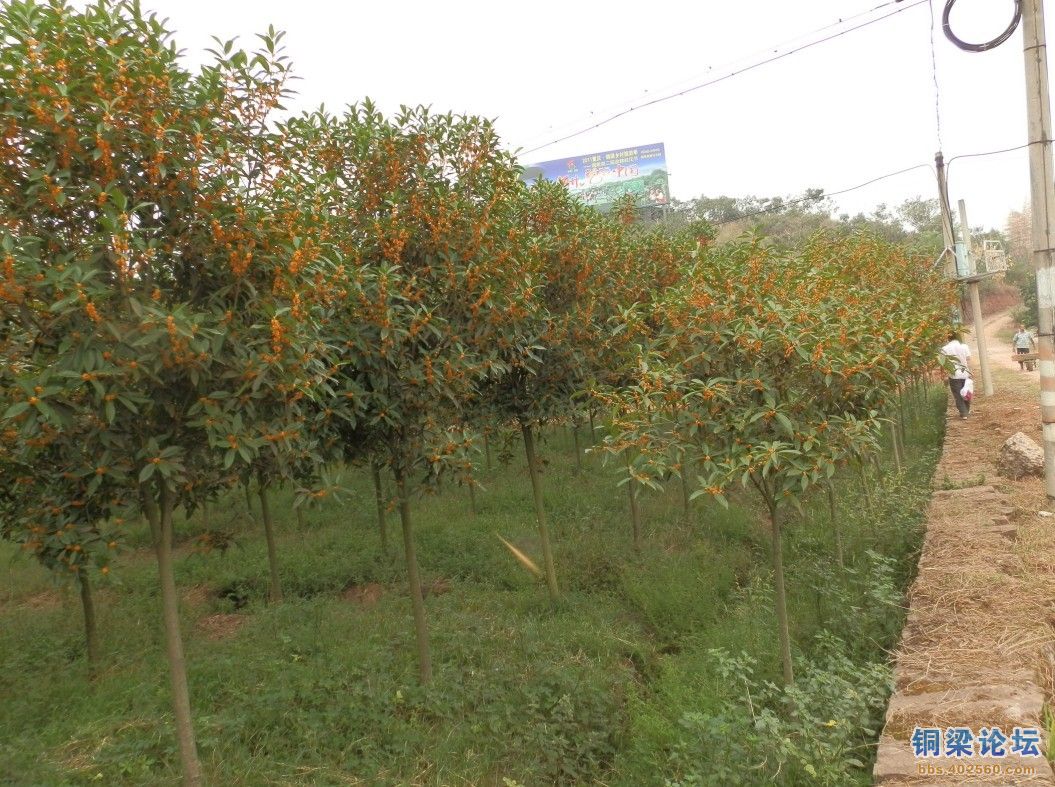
[(47, 412), (147, 472), (16, 409)]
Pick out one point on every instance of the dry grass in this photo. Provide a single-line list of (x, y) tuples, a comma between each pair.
[(979, 645)]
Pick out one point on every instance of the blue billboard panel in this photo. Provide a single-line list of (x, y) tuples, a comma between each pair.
[(599, 179)]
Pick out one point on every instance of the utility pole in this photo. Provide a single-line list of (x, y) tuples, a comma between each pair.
[(1042, 191), (946, 216), (976, 303), (947, 231)]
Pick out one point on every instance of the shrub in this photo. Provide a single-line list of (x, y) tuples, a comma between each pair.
[(816, 731)]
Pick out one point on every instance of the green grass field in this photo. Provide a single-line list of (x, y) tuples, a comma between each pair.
[(654, 668)]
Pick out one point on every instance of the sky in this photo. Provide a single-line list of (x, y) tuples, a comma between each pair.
[(832, 116)]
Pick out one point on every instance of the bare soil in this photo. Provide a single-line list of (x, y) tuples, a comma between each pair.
[(221, 626), (46, 599), (197, 596), (364, 595)]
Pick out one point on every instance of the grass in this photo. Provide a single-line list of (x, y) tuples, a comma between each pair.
[(321, 689)]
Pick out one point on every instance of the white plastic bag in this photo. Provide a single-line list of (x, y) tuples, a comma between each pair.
[(967, 392)]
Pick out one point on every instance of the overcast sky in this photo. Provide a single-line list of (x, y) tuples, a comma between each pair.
[(832, 116)]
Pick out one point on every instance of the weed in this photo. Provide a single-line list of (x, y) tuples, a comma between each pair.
[(648, 669)]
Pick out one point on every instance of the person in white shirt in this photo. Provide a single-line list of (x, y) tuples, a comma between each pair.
[(959, 353)]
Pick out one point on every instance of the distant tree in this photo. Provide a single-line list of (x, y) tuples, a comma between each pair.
[(1019, 231), (1020, 270), (923, 219)]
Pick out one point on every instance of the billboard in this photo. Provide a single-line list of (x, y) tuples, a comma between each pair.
[(599, 179)]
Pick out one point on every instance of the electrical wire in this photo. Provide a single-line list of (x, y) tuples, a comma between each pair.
[(934, 74), (901, 8), (799, 200), (773, 48), (945, 26), (948, 169), (948, 164)]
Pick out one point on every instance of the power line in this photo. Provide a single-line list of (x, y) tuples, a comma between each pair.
[(934, 73), (725, 77), (727, 64), (798, 200), (948, 164)]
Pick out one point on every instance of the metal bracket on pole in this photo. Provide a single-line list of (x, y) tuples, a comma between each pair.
[(941, 257)]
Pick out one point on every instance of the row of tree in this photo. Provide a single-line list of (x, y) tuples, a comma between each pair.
[(196, 296)]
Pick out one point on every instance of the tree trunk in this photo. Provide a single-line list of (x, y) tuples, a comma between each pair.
[(895, 440), (472, 497), (635, 514), (379, 497), (878, 466), (686, 502), (91, 637), (835, 525), (248, 501), (301, 525), (593, 433), (540, 511), (274, 594), (864, 482), (575, 442), (161, 526), (487, 451), (780, 594), (901, 442), (417, 601), (901, 412)]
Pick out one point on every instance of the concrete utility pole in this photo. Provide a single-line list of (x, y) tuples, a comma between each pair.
[(976, 303), (1042, 190), (946, 216), (948, 234)]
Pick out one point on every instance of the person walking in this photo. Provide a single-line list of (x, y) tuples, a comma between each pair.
[(959, 354), (1023, 343)]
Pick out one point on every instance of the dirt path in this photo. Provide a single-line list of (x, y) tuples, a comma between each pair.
[(1000, 352), (977, 649)]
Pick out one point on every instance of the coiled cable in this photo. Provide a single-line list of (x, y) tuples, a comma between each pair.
[(1015, 19)]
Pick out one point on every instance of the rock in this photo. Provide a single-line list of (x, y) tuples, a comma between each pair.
[(1020, 456), (1045, 513)]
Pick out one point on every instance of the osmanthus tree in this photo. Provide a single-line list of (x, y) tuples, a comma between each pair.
[(648, 429), (419, 214), (68, 517), (893, 297), (562, 250), (651, 266), (149, 297), (784, 379)]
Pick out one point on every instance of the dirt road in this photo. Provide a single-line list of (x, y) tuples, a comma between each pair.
[(1000, 350), (978, 648)]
